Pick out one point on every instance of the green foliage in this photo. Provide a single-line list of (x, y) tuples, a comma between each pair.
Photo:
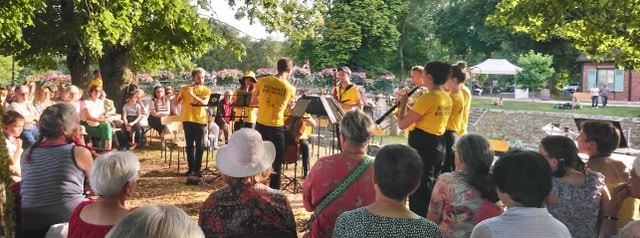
[(603, 29), (7, 224), (536, 69), (562, 78)]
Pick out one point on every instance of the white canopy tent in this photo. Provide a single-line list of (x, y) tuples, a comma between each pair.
[(501, 66), (497, 66)]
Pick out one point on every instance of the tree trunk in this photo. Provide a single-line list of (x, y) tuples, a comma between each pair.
[(115, 66), (78, 66)]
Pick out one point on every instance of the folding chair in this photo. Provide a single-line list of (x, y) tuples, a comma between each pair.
[(178, 142)]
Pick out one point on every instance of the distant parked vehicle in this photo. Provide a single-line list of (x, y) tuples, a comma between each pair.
[(572, 88)]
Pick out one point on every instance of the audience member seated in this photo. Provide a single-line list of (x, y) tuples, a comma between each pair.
[(245, 163), (3, 96), (12, 123), (72, 95), (397, 172), (113, 178), (131, 116), (158, 108), (631, 189), (156, 221), (53, 171), (43, 98), (477, 87), (598, 139), (31, 115), (328, 172), (463, 198), (577, 194), (94, 118), (523, 181)]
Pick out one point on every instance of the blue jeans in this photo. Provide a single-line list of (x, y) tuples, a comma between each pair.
[(594, 101), (604, 101), (29, 137)]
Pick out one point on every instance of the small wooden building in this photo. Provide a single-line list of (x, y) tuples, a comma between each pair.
[(624, 85)]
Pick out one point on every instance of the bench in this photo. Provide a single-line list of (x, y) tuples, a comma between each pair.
[(584, 97)]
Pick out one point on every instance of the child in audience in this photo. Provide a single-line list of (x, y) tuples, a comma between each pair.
[(12, 123), (577, 194), (598, 139), (524, 182), (397, 172), (131, 116)]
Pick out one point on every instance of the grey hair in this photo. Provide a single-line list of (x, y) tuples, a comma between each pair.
[(475, 151), (156, 221), (55, 116), (356, 127), (111, 171), (68, 90)]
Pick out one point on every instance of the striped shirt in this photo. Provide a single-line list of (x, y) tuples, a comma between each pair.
[(52, 186), (160, 106), (522, 222)]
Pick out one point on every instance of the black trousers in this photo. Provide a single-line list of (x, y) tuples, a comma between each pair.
[(276, 136), (449, 160), (194, 137), (431, 149), (304, 151), (239, 125)]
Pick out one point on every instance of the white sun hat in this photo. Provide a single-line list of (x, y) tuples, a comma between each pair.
[(246, 154)]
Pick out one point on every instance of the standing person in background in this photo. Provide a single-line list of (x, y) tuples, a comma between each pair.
[(194, 98), (273, 95), (97, 79), (466, 93), (430, 115), (224, 115), (604, 94), (595, 92), (455, 122), (598, 139), (248, 118), (347, 93)]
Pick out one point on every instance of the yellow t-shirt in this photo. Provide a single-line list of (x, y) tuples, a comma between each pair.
[(435, 108), (97, 82), (274, 94), (190, 113), (455, 119), (466, 106), (350, 97), (304, 135), (250, 113)]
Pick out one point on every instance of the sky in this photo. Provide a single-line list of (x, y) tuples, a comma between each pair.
[(224, 13)]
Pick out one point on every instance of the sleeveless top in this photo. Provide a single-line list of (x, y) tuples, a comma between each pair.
[(80, 228), (160, 105), (52, 186)]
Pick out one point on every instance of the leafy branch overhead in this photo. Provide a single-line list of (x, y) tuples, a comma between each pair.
[(603, 29)]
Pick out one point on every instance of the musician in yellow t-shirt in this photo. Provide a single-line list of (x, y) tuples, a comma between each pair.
[(455, 122), (194, 98), (347, 93), (248, 117), (96, 80), (430, 114), (273, 94)]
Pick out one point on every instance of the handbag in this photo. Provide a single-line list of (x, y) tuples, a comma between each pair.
[(339, 189)]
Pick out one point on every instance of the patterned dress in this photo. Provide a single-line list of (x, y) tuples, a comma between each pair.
[(246, 210), (577, 206), (362, 223), (327, 173), (459, 204)]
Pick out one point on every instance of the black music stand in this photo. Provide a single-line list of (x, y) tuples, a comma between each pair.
[(297, 113), (243, 100), (214, 101), (327, 106)]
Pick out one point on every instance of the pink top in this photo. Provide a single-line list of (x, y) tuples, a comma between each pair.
[(326, 173), (78, 228)]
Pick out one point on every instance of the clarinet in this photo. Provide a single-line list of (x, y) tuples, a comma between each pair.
[(386, 114)]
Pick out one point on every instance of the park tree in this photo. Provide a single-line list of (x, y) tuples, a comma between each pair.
[(536, 70), (602, 29)]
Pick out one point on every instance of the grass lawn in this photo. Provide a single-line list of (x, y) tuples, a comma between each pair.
[(617, 111)]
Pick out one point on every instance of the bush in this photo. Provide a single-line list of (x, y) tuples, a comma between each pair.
[(6, 198), (536, 69)]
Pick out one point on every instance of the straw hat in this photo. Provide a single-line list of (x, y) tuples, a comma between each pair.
[(250, 74), (246, 154)]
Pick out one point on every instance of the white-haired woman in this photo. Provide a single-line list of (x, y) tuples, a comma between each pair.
[(72, 96), (53, 171), (156, 221), (113, 178), (246, 206)]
